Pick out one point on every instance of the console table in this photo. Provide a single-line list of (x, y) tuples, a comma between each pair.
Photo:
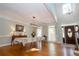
[(17, 36)]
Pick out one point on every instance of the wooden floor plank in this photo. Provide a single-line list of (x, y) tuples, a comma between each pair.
[(49, 49)]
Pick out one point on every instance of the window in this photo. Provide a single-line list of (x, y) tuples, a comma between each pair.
[(39, 31), (67, 8)]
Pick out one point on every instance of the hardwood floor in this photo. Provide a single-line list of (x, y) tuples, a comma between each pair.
[(49, 49)]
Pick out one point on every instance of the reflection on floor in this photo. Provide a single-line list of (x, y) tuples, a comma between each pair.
[(50, 49)]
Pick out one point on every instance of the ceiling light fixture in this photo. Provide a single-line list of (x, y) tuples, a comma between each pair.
[(34, 23)]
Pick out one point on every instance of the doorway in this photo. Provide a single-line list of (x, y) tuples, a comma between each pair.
[(51, 34)]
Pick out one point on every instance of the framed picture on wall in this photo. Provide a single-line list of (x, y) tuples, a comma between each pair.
[(19, 28)]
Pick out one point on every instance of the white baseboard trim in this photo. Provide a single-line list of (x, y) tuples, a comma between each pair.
[(5, 44)]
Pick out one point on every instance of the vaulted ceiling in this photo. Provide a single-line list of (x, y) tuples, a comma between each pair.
[(24, 12)]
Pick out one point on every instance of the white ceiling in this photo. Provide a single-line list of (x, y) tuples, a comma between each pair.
[(25, 11)]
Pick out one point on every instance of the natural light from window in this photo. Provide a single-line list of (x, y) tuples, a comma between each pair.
[(67, 8), (39, 31)]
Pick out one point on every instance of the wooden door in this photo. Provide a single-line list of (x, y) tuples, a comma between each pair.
[(70, 34)]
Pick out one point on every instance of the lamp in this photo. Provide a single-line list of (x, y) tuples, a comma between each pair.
[(24, 31), (34, 22), (12, 30)]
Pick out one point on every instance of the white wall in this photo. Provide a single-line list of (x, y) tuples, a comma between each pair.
[(65, 19), (5, 30)]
